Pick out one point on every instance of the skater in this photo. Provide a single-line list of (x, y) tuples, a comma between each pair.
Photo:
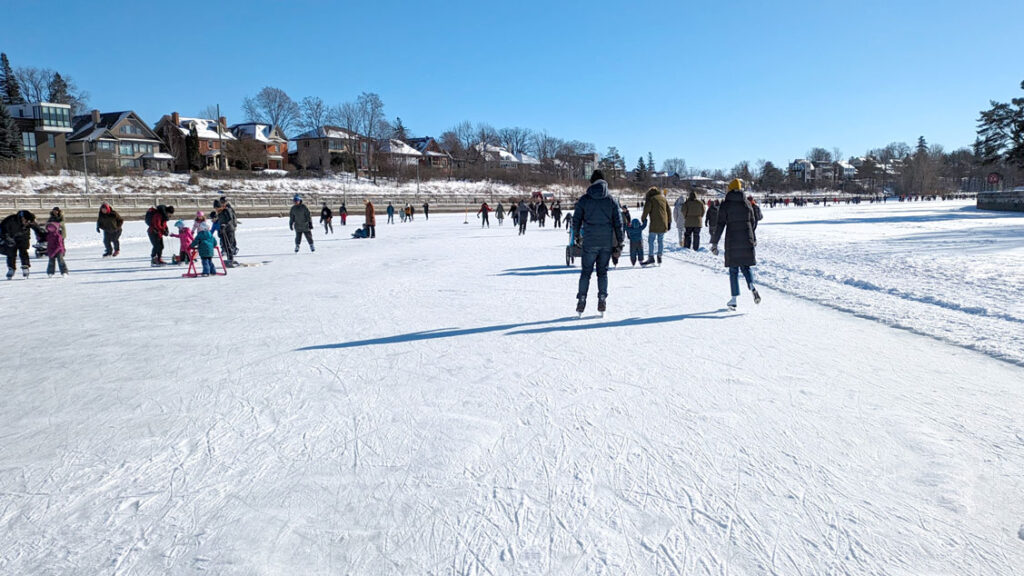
[(499, 213), (391, 213), (693, 219), (14, 239), (301, 222), (737, 221), (677, 215), (225, 217), (410, 213), (363, 232), (56, 215), (157, 218), (542, 213), (184, 236), (711, 219), (426, 210), (556, 213), (371, 219), (110, 223), (513, 210), (656, 207), (200, 218), (485, 210), (325, 218), (568, 218), (55, 248), (758, 215), (599, 217), (635, 233), (343, 213), (524, 214), (204, 244)]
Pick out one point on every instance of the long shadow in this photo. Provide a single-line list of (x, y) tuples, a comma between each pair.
[(966, 213), (429, 335), (534, 268), (711, 315), (123, 270), (561, 270), (134, 280)]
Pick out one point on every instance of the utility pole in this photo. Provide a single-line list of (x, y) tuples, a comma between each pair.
[(220, 136), (85, 164)]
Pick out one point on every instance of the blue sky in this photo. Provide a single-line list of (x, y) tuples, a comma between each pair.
[(711, 82)]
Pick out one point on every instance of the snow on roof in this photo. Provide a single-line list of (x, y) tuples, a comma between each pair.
[(255, 131), (398, 148), (205, 128), (328, 132), (496, 152), (525, 158)]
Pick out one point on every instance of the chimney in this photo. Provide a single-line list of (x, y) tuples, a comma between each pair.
[(223, 122), (175, 119), (95, 117)]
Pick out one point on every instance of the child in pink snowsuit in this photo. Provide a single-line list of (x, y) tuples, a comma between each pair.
[(184, 235), (55, 249)]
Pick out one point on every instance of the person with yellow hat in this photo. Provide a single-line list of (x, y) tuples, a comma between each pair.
[(736, 220)]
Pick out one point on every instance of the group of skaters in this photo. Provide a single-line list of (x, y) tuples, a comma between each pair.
[(16, 233), (523, 212), (221, 220), (407, 213), (601, 226)]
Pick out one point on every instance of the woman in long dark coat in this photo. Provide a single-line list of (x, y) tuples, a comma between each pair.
[(736, 219)]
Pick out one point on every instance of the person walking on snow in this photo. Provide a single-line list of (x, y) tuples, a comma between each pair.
[(656, 207), (736, 220), (524, 216), (110, 223), (326, 215), (485, 210), (693, 219), (371, 219), (343, 213), (499, 213), (598, 216), (391, 213), (301, 222), (711, 219)]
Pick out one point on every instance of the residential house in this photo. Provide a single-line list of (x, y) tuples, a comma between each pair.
[(44, 127), (330, 145), (396, 154), (213, 136), (802, 170), (528, 162), (115, 140), (845, 171), (271, 137), (824, 172), (433, 156), (497, 156)]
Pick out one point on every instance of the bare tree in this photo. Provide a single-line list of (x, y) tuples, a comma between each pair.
[(34, 82), (272, 106), (545, 146), (819, 155), (371, 116), (465, 134), (244, 154), (674, 165), (313, 114), (515, 140), (347, 115), (208, 112)]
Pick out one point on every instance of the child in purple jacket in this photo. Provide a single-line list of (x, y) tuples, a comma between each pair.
[(55, 249), (185, 236)]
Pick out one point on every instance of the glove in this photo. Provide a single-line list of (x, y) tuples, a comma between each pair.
[(97, 229), (714, 249), (291, 228), (617, 251)]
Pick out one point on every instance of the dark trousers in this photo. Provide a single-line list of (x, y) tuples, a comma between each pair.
[(228, 247), (522, 225), (426, 214), (111, 241), (594, 256), (484, 221), (373, 230), (328, 227), (636, 251), (208, 266), (734, 280), (158, 245), (20, 248), (58, 259), (299, 235), (692, 237)]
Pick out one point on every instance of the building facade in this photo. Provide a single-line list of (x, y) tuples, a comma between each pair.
[(115, 141), (44, 127)]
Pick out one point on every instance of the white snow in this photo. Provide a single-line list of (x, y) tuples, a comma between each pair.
[(422, 403)]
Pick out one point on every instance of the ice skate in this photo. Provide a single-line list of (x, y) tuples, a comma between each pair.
[(115, 254), (63, 274), (24, 271), (312, 248), (296, 248), (10, 273), (757, 297), (731, 303), (648, 262), (581, 305), (659, 259), (601, 306)]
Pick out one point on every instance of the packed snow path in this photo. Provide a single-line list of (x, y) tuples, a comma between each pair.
[(426, 403)]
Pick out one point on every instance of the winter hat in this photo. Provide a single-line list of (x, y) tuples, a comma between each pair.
[(735, 184), (105, 208), (596, 175), (635, 223), (199, 215), (297, 198), (216, 203), (204, 227), (179, 224)]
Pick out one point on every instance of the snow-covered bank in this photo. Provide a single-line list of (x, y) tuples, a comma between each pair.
[(423, 403)]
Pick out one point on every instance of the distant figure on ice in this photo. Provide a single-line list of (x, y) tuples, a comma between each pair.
[(677, 215), (598, 216), (55, 248), (57, 215), (711, 219), (156, 217), (110, 223), (184, 237), (758, 215), (326, 215), (484, 210), (426, 210), (499, 213), (542, 213), (204, 243), (343, 213), (568, 218), (15, 232), (371, 219), (656, 207), (556, 214), (225, 226), (737, 221), (524, 216), (693, 219), (635, 233), (300, 220), (391, 213)]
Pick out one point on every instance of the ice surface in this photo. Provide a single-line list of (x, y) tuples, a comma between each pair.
[(427, 403)]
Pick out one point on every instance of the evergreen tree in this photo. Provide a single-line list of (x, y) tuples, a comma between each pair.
[(641, 170), (194, 158), (400, 132), (9, 83), (650, 162), (58, 90), (1001, 133), (10, 138)]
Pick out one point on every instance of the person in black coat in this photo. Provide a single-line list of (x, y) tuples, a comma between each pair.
[(15, 232), (523, 214), (556, 213), (711, 217), (326, 215), (597, 222), (737, 221)]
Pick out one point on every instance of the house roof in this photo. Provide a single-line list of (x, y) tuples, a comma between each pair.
[(498, 153), (525, 158), (83, 128), (398, 148), (260, 132), (205, 128), (328, 132)]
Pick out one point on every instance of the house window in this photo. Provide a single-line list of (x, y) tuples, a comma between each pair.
[(51, 140), (28, 145), (53, 159), (130, 128), (125, 149)]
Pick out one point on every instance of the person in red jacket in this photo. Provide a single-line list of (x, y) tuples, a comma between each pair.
[(485, 210), (157, 219)]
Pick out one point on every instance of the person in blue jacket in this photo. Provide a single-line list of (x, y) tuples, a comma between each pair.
[(635, 233), (599, 215)]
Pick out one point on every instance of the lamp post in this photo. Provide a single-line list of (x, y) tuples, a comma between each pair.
[(85, 164)]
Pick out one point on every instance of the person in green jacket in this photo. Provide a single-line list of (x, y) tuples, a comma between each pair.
[(693, 219), (301, 222), (656, 207)]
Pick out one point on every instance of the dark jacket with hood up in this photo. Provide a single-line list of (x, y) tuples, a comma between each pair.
[(598, 217), (737, 221)]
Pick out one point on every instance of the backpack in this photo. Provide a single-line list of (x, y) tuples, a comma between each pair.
[(149, 216)]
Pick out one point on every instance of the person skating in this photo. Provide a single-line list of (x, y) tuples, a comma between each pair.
[(184, 237), (484, 211), (110, 223), (55, 248), (204, 243), (635, 233), (599, 218), (15, 232), (693, 219), (426, 210), (656, 208), (711, 218), (343, 213), (371, 219), (524, 215), (542, 213), (57, 215), (499, 213), (157, 218), (736, 220), (326, 215), (225, 226), (677, 215), (301, 222), (391, 213), (556, 213), (758, 215)]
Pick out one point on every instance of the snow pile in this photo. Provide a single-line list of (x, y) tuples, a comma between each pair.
[(426, 403)]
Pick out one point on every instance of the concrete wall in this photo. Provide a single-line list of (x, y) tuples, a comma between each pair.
[(1009, 201)]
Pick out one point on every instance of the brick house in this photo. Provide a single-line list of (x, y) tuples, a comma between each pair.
[(432, 154), (329, 145), (271, 138), (213, 135)]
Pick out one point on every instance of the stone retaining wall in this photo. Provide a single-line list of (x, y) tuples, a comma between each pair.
[(1008, 201)]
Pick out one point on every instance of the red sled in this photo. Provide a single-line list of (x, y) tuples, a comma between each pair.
[(194, 257)]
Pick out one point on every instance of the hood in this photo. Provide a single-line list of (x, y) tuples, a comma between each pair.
[(598, 190), (635, 223), (735, 196), (53, 227), (652, 193)]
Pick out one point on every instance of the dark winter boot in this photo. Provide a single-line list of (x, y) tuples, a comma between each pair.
[(296, 248), (757, 297), (24, 271), (648, 262), (581, 305), (10, 273), (601, 304), (659, 259), (312, 248)]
